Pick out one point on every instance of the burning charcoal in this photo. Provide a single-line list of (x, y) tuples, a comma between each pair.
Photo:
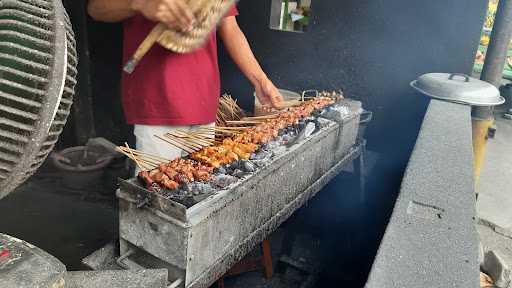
[(199, 188), (273, 144), (336, 112), (221, 170), (240, 174), (248, 166), (287, 138), (186, 187), (302, 124), (261, 155), (260, 163), (223, 181), (235, 166)]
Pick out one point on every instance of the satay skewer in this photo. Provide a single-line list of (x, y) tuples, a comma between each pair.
[(203, 140), (145, 155), (189, 144), (131, 156), (178, 145)]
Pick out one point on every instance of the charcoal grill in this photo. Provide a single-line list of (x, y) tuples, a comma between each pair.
[(198, 243), (37, 78)]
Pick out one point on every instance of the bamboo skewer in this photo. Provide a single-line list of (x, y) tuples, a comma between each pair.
[(264, 117), (134, 158), (131, 153), (245, 122), (178, 145), (146, 155), (204, 140), (187, 144)]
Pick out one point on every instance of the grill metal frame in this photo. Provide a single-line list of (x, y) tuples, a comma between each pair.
[(38, 62), (199, 244)]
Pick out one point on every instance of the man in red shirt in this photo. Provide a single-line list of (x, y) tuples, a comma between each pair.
[(168, 90)]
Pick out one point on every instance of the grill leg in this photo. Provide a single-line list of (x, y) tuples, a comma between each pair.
[(359, 166), (266, 259), (220, 283)]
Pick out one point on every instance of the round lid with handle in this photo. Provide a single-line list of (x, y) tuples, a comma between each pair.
[(458, 88)]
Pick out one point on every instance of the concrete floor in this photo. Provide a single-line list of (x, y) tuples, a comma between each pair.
[(494, 206), (495, 189), (58, 220)]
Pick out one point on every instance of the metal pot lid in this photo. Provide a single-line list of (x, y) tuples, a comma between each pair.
[(458, 88)]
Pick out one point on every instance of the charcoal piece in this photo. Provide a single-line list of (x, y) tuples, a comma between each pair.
[(201, 188), (221, 170), (301, 125), (186, 187), (248, 166), (223, 181), (260, 155), (260, 163), (287, 138), (234, 165), (273, 145), (240, 174)]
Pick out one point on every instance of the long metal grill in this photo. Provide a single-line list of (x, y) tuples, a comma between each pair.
[(37, 78)]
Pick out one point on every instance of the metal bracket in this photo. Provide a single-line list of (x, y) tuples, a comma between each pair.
[(126, 263)]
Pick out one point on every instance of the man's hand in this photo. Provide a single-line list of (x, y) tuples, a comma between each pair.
[(241, 53), (174, 13), (268, 94)]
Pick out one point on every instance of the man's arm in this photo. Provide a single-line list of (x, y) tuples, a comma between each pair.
[(174, 13), (238, 48)]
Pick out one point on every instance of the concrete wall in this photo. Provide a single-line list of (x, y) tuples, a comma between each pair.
[(431, 239), (370, 49)]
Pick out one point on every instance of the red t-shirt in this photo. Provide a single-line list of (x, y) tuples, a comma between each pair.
[(168, 88)]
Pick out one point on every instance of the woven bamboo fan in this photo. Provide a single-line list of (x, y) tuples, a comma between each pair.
[(208, 13)]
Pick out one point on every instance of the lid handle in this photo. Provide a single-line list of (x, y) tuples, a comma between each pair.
[(466, 77)]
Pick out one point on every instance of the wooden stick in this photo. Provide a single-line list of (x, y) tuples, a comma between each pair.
[(134, 158), (140, 158), (269, 116), (188, 144), (179, 146), (187, 141), (203, 139), (148, 155), (245, 122)]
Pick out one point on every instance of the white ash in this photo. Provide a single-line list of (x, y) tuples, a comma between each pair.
[(310, 129), (337, 111), (248, 166), (223, 180), (198, 188)]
